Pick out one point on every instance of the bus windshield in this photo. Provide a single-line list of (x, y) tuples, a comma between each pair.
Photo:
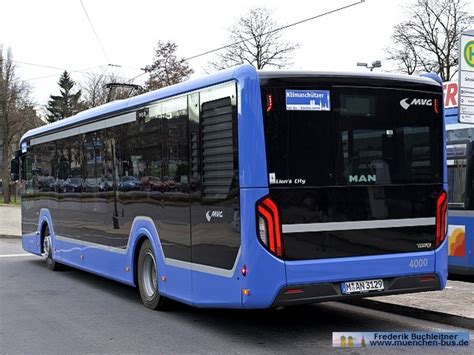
[(361, 135)]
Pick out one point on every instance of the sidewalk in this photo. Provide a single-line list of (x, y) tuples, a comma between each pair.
[(454, 305), (10, 221)]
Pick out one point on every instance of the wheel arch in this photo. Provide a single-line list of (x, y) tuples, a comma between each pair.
[(45, 221), (143, 228), (136, 252)]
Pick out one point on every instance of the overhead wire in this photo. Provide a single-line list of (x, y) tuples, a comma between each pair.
[(266, 33), (95, 32), (104, 67), (277, 29), (81, 71)]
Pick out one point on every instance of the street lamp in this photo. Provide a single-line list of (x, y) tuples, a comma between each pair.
[(375, 64)]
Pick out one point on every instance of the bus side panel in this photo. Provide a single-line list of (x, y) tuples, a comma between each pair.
[(29, 227), (441, 266), (218, 291), (98, 259), (252, 158), (461, 244), (31, 243), (265, 273), (69, 252)]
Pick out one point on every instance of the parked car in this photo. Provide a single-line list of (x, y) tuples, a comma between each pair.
[(46, 183), (151, 183), (129, 183)]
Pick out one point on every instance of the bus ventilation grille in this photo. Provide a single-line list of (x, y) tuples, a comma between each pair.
[(217, 148)]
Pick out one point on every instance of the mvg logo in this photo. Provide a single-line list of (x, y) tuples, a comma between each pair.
[(363, 178), (214, 214), (415, 102)]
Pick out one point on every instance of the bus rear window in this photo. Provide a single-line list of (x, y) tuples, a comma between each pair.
[(369, 136)]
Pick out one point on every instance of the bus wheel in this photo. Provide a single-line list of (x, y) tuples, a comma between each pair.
[(48, 252), (148, 278)]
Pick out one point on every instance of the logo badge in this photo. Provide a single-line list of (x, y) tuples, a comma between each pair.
[(363, 178), (407, 102), (423, 245), (214, 214)]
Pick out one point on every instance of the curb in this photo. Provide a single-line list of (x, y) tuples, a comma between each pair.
[(419, 313), (8, 236)]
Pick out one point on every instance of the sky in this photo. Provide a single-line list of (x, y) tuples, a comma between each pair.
[(57, 33)]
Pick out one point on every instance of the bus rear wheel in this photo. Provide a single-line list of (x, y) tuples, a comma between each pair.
[(47, 251), (147, 277)]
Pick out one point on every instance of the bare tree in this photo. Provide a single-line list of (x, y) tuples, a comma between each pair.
[(95, 91), (17, 115), (404, 53), (256, 41), (428, 40), (166, 68)]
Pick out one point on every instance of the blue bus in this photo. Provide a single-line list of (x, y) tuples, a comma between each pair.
[(460, 160), (247, 189)]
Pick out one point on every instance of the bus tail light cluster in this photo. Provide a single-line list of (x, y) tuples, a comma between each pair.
[(441, 218), (269, 227)]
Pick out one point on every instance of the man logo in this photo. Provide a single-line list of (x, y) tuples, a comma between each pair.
[(415, 102), (214, 214), (363, 178), (423, 245)]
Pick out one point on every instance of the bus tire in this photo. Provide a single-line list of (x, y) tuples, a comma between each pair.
[(47, 251), (147, 278)]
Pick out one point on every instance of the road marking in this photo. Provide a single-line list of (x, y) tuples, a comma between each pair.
[(15, 255)]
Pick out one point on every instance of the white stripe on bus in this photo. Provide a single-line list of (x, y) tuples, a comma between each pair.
[(355, 225)]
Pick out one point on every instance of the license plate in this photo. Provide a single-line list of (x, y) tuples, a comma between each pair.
[(362, 286)]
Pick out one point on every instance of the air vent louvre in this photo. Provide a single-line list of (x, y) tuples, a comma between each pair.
[(217, 148)]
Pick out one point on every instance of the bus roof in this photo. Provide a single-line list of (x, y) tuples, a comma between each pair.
[(238, 73), (425, 79)]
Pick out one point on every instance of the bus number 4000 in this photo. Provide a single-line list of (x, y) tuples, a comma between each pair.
[(414, 263)]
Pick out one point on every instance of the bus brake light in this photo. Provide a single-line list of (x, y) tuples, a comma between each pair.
[(269, 103), (269, 227), (441, 218)]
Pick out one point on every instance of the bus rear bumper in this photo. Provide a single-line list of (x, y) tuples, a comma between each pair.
[(332, 291)]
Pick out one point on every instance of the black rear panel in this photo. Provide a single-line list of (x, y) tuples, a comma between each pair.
[(359, 174), (302, 207)]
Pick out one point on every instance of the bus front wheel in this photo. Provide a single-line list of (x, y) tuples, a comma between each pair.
[(47, 251), (148, 278)]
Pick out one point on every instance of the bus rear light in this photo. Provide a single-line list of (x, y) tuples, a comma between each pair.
[(427, 278), (269, 103), (294, 291), (441, 218), (269, 227)]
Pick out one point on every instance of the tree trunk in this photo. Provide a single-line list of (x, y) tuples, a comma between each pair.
[(6, 174)]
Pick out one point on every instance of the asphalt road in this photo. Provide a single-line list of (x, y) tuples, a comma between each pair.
[(75, 312)]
